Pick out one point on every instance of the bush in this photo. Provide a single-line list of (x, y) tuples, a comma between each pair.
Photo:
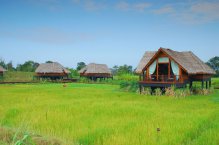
[(146, 91), (157, 92), (170, 91)]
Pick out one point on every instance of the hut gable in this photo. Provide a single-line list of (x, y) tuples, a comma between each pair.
[(94, 68), (2, 69), (145, 59), (187, 60), (54, 67)]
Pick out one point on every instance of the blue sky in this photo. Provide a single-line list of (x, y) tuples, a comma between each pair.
[(111, 32)]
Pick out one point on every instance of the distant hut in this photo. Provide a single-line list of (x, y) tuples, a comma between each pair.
[(166, 67), (51, 71), (94, 71), (2, 70)]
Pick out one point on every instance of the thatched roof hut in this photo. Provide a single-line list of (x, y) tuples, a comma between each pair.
[(166, 67), (188, 60), (96, 70), (52, 70), (2, 69)]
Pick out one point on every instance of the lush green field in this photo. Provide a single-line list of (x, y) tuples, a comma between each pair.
[(98, 114)]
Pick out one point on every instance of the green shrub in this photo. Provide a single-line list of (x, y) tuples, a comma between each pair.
[(146, 91), (157, 92)]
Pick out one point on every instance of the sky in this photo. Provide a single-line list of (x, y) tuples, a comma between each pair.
[(108, 32)]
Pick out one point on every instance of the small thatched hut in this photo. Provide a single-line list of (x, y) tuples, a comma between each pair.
[(51, 71), (2, 70), (94, 71), (166, 67)]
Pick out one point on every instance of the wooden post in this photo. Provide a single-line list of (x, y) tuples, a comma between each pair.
[(210, 83), (190, 85), (143, 75), (169, 70), (206, 84), (202, 84), (140, 88)]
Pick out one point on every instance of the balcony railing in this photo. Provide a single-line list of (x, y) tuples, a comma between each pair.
[(163, 78)]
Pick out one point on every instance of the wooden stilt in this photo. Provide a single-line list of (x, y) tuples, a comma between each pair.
[(190, 85), (206, 84), (210, 84), (202, 84), (140, 89)]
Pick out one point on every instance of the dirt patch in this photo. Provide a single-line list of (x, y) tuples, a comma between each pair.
[(8, 135)]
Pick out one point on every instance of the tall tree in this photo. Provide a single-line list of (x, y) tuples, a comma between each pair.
[(49, 61), (80, 65), (10, 66), (28, 66), (2, 63), (214, 63), (124, 69)]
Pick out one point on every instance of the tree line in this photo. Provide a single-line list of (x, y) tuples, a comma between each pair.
[(30, 66)]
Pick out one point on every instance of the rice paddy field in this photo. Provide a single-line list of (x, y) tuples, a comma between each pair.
[(101, 114)]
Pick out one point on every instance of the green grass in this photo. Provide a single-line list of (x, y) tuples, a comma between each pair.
[(96, 114)]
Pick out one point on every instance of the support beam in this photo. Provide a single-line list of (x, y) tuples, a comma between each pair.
[(210, 83), (190, 85), (202, 84), (206, 84), (140, 89)]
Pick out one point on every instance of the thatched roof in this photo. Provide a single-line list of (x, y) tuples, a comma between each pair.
[(187, 60), (94, 68), (144, 60), (54, 67), (2, 69)]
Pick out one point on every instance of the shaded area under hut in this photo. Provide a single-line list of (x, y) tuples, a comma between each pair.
[(52, 71), (94, 71), (165, 67)]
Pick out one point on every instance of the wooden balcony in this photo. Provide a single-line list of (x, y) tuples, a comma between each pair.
[(163, 81)]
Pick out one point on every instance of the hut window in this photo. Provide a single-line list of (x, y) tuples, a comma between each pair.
[(163, 60), (175, 69), (152, 67)]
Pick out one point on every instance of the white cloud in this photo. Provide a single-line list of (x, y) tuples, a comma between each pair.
[(164, 10), (141, 6), (197, 12), (125, 6), (92, 5)]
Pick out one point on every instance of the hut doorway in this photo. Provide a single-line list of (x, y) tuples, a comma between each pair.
[(163, 68)]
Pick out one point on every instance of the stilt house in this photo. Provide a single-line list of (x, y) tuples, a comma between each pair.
[(94, 71), (165, 67), (51, 71)]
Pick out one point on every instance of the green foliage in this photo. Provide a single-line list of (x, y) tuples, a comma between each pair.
[(74, 73), (121, 70), (146, 91), (17, 76), (28, 66), (214, 63), (101, 114), (3, 63), (157, 92), (80, 65), (127, 77)]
